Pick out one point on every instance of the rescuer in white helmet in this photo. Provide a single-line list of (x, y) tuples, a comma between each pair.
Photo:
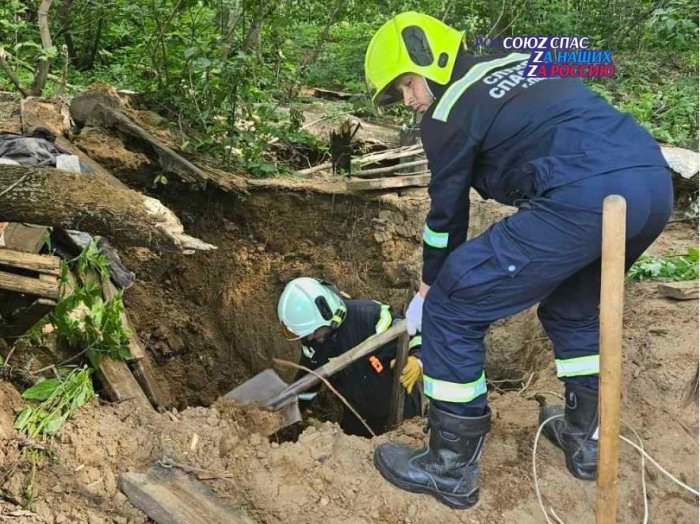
[(313, 311)]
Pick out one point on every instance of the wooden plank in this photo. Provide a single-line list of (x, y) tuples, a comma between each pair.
[(22, 321), (388, 183), (390, 169), (169, 496), (38, 263), (679, 290), (29, 238), (118, 381), (140, 363), (28, 285), (137, 352), (115, 375)]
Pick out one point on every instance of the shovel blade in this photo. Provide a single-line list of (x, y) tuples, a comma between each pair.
[(262, 389)]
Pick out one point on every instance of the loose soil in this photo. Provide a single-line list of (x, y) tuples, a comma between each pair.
[(208, 321)]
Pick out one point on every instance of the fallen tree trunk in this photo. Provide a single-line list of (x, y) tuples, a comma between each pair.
[(168, 159), (87, 203)]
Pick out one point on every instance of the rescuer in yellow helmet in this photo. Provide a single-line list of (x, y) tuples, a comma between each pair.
[(551, 148)]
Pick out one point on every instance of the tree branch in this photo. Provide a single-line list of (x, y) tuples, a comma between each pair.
[(44, 65), (11, 74)]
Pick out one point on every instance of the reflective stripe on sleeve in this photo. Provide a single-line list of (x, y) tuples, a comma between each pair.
[(384, 320), (434, 238)]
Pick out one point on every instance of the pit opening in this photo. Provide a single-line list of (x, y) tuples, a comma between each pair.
[(209, 320)]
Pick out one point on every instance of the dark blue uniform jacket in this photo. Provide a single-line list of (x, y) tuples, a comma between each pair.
[(511, 138)]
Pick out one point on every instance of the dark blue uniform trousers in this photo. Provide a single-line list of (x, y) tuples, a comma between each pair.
[(548, 252)]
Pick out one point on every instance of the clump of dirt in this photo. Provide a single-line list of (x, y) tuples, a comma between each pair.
[(109, 151), (246, 418)]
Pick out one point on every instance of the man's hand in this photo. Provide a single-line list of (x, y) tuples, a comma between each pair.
[(411, 373)]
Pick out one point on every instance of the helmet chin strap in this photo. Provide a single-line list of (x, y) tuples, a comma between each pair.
[(427, 88)]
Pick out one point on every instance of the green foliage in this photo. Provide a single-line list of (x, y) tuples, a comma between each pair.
[(84, 319), (668, 267), (676, 23), (58, 399), (222, 69)]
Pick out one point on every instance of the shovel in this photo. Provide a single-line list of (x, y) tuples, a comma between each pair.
[(268, 390)]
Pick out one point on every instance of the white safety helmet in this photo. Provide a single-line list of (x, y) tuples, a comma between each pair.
[(307, 304)]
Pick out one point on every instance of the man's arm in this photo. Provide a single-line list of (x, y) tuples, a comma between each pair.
[(307, 361), (451, 148)]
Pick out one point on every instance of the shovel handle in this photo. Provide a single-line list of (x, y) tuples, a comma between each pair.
[(611, 310), (336, 364)]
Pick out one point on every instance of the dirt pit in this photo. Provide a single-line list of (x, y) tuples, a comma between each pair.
[(208, 321)]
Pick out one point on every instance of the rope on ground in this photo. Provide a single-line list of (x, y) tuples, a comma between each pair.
[(328, 384), (639, 448), (661, 468), (534, 468), (644, 476)]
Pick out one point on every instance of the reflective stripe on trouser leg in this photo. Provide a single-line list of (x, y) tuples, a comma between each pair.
[(578, 366), (452, 391)]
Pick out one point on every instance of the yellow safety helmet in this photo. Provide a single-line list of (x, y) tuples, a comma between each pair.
[(409, 43)]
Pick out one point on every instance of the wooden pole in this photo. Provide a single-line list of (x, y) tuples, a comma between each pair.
[(398, 393), (611, 302)]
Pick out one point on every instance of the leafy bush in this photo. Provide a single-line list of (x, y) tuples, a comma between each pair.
[(668, 267), (84, 319)]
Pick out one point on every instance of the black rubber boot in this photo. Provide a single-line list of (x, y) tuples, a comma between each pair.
[(448, 469), (577, 431)]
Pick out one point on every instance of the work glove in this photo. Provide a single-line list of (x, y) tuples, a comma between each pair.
[(412, 372), (414, 314)]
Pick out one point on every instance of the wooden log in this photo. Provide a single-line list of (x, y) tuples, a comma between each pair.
[(332, 95), (39, 263), (679, 290), (611, 308), (419, 180), (169, 496), (168, 159), (29, 285), (83, 106), (79, 201)]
